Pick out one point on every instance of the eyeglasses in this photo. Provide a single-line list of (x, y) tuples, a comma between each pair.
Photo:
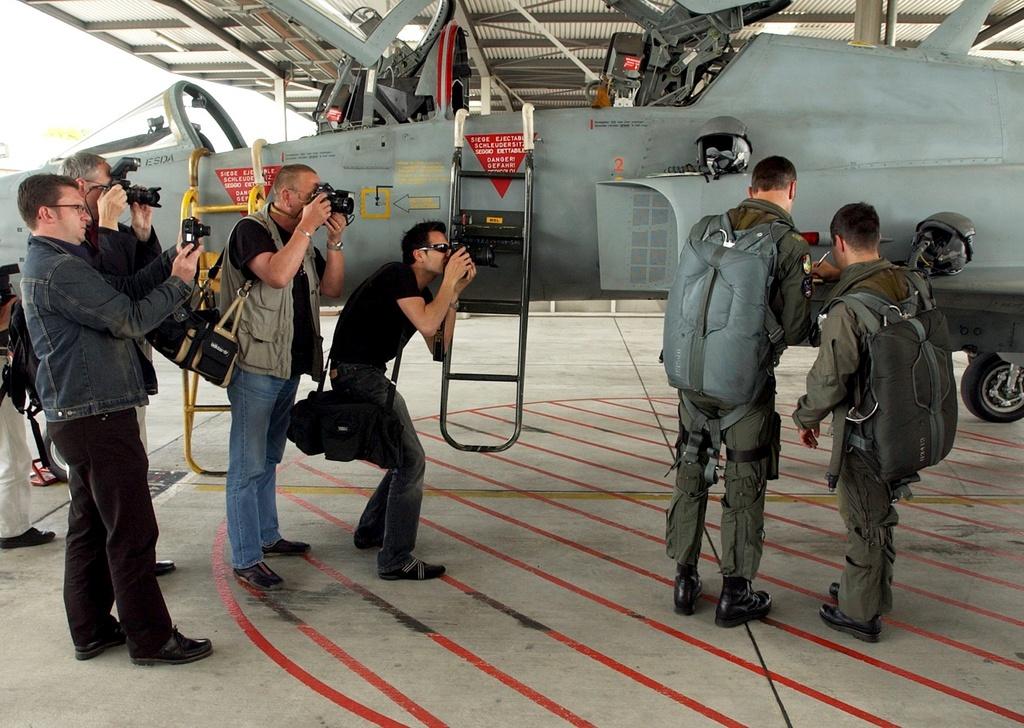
[(97, 185), (80, 209), (439, 247)]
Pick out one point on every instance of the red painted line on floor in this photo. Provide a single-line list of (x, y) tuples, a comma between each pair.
[(563, 713), (609, 604), (819, 484), (928, 473), (220, 575), (612, 663), (657, 539), (912, 529), (448, 644), (403, 701), (803, 634)]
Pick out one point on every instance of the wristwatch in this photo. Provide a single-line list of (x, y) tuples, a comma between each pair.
[(454, 305), (335, 246)]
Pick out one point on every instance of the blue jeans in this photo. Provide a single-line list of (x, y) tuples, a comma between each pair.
[(261, 406), (393, 513)]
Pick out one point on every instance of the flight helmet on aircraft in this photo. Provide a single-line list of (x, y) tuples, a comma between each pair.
[(944, 243), (723, 147)]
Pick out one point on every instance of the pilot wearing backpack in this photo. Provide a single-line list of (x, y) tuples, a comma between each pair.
[(885, 373), (740, 297)]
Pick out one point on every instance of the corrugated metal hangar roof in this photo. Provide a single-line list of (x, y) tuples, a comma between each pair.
[(246, 43)]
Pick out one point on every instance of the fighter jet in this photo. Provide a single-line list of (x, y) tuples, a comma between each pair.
[(597, 202)]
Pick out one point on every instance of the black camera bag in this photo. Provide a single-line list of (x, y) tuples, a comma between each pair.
[(342, 429), (198, 338), (329, 423)]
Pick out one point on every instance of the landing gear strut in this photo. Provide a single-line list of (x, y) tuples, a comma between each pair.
[(993, 388)]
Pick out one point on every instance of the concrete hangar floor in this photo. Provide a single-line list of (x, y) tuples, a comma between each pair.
[(557, 606)]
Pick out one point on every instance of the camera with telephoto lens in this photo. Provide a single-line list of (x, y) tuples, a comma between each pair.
[(192, 230), (6, 289), (136, 193), (341, 201)]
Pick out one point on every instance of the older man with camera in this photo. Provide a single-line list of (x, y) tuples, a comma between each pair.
[(279, 341), (119, 249), (82, 326)]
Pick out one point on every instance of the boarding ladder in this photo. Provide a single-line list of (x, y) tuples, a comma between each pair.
[(192, 207), (520, 307)]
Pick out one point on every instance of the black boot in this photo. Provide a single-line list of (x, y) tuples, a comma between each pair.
[(835, 618), (687, 589), (739, 603)]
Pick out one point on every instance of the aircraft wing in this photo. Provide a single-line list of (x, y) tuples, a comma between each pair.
[(994, 290)]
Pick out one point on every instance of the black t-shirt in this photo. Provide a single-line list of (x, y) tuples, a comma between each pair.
[(250, 239), (369, 327)]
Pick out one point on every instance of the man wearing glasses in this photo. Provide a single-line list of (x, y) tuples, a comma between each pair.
[(118, 249), (82, 325), (279, 341), (390, 308)]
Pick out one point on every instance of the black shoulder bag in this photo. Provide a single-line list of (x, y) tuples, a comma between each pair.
[(201, 339), (341, 429)]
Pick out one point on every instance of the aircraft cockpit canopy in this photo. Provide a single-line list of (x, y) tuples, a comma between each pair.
[(723, 147), (944, 243)]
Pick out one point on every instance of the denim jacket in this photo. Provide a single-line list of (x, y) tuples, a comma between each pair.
[(82, 325)]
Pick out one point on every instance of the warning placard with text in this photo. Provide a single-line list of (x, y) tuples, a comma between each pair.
[(239, 180), (498, 153)]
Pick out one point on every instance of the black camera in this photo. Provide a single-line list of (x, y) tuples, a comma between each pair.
[(341, 201), (480, 252), (136, 193), (6, 289), (192, 230), (485, 233)]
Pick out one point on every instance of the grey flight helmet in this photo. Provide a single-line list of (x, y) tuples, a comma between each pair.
[(944, 243), (723, 147)]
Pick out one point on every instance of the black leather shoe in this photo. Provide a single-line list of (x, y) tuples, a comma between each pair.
[(284, 547), (739, 603), (260, 577), (364, 543), (178, 650), (833, 590), (415, 570), (834, 617), (31, 537), (163, 567), (687, 589), (111, 637)]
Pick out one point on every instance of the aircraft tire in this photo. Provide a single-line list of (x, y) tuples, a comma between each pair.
[(980, 387), (58, 466)]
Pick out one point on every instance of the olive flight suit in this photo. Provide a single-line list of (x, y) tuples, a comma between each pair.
[(745, 482), (865, 501)]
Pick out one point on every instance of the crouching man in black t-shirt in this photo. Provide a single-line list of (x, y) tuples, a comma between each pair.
[(377, 324)]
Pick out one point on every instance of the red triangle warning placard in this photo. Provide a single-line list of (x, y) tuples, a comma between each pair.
[(498, 153)]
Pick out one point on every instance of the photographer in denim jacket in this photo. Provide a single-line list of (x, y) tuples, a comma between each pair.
[(82, 326)]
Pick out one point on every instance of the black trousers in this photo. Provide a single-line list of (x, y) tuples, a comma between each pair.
[(112, 532)]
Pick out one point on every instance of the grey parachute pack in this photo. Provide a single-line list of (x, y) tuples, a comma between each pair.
[(904, 409), (721, 338)]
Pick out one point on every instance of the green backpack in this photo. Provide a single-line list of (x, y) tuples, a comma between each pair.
[(904, 410)]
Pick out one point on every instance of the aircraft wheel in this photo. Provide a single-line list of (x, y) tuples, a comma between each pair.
[(58, 465), (992, 389)]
